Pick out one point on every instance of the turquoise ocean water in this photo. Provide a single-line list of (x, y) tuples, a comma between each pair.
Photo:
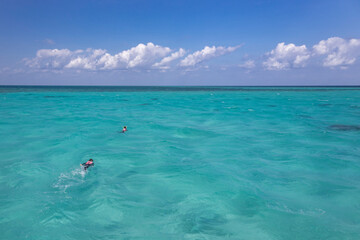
[(196, 163)]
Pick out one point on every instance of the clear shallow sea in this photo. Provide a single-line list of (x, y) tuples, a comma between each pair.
[(196, 163)]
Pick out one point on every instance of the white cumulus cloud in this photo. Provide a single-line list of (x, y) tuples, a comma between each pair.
[(139, 56), (338, 51), (332, 52), (88, 60), (50, 58), (205, 54), (98, 59), (163, 64), (143, 56), (286, 56)]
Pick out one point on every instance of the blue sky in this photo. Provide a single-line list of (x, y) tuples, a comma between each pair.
[(108, 42)]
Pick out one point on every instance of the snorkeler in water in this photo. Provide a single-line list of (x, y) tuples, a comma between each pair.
[(88, 164), (124, 129)]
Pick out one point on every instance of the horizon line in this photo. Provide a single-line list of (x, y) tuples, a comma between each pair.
[(43, 85)]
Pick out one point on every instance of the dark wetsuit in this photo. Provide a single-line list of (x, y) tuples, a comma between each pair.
[(86, 166)]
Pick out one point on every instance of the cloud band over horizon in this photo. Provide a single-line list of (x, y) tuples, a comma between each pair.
[(334, 52), (149, 56)]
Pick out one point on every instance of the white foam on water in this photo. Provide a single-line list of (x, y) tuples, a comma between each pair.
[(73, 178), (307, 212)]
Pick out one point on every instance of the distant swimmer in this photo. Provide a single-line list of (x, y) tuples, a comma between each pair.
[(124, 129), (88, 164)]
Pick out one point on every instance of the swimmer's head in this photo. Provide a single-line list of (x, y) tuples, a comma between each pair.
[(91, 160), (124, 126)]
